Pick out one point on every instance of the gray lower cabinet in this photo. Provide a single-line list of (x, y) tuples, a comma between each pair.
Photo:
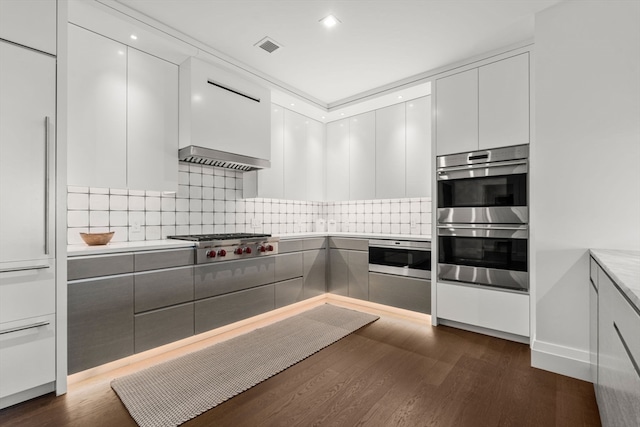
[(159, 327), (289, 292), (163, 288), (100, 321), (314, 273), (222, 310), (230, 276), (99, 265), (288, 266), (349, 273), (399, 291), (155, 260)]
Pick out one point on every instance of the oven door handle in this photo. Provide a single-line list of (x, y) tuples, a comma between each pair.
[(483, 170), (498, 232)]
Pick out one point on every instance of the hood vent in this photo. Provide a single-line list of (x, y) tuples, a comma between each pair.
[(221, 159), (268, 45)]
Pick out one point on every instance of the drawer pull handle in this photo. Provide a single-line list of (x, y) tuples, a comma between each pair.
[(22, 328), (626, 348), (31, 267)]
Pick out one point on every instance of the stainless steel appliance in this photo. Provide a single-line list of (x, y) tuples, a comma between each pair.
[(491, 255), (483, 217), (488, 186), (399, 257), (224, 247)]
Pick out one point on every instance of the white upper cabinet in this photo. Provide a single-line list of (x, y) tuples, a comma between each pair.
[(485, 107), (390, 152), (30, 23), (152, 127), (270, 181), (338, 160), (457, 113), (504, 102), (418, 143), (123, 116), (362, 156), (221, 110), (295, 160), (315, 160), (97, 111)]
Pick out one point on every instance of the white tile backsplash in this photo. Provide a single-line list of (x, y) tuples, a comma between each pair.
[(209, 200)]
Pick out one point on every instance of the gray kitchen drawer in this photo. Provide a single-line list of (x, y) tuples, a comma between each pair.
[(286, 246), (155, 260), (359, 275), (399, 291), (218, 311), (99, 265), (163, 288), (314, 243), (288, 266), (314, 273), (230, 276), (289, 292), (348, 243), (100, 321), (159, 327)]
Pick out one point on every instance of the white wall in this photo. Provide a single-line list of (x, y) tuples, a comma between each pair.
[(585, 165)]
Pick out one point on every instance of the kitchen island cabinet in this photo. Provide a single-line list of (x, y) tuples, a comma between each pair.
[(617, 382)]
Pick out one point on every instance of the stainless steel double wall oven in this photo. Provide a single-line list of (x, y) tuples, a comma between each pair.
[(483, 218)]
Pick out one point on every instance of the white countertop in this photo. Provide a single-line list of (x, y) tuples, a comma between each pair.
[(624, 268), (110, 248), (149, 245)]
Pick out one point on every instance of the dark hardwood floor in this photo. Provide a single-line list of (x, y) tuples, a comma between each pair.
[(394, 372)]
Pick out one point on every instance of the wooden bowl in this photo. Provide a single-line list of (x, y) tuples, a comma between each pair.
[(95, 239)]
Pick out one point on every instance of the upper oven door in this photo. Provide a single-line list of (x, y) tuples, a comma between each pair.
[(484, 194), (411, 259), (484, 255)]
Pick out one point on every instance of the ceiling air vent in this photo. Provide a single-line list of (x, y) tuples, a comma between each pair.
[(268, 45)]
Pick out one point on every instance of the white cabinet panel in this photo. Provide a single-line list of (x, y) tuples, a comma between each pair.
[(216, 114), (270, 181), (27, 356), (457, 113), (418, 142), (315, 160), (27, 293), (390, 152), (504, 102), (497, 310), (362, 156), (28, 88), (338, 160), (295, 141), (30, 23), (97, 111), (152, 125)]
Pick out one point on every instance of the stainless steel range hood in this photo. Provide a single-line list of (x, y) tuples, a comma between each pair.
[(221, 159)]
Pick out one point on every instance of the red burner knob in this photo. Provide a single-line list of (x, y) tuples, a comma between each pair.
[(262, 248), (222, 252), (247, 250), (211, 254), (269, 248), (238, 251)]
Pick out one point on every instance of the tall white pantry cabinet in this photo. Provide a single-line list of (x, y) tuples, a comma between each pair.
[(27, 199)]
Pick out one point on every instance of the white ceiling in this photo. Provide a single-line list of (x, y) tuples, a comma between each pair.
[(377, 43)]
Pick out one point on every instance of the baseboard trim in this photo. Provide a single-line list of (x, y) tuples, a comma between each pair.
[(485, 331), (562, 360)]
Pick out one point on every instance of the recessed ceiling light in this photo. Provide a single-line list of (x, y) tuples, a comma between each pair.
[(323, 117), (399, 96), (293, 105), (330, 21), (133, 37)]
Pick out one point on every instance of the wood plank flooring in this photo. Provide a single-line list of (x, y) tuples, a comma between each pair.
[(394, 372)]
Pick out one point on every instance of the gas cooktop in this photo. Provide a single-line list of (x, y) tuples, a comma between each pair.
[(218, 237)]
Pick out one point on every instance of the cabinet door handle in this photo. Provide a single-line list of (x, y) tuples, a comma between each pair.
[(31, 267), (626, 349), (46, 183), (22, 328)]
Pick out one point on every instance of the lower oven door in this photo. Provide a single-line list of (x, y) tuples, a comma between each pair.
[(488, 255), (403, 258)]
